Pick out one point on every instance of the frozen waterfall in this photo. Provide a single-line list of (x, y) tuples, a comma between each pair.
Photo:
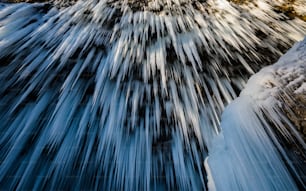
[(128, 95), (247, 139)]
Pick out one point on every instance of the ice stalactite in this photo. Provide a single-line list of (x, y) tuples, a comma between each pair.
[(125, 95), (248, 148)]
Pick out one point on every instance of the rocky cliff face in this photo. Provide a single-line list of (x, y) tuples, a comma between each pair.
[(291, 8)]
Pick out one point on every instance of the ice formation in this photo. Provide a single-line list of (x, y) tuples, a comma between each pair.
[(261, 104), (127, 95)]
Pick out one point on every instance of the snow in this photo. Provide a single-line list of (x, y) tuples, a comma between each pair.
[(302, 89)]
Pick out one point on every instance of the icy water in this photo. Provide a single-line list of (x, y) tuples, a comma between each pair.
[(128, 95)]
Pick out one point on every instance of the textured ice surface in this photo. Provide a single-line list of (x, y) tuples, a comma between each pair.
[(126, 95), (247, 149)]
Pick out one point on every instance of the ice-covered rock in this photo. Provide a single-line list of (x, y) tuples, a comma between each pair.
[(249, 148), (125, 95)]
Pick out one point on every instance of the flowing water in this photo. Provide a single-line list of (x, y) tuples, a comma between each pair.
[(127, 95)]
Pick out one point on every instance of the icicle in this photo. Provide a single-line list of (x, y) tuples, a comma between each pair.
[(127, 95), (248, 141)]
